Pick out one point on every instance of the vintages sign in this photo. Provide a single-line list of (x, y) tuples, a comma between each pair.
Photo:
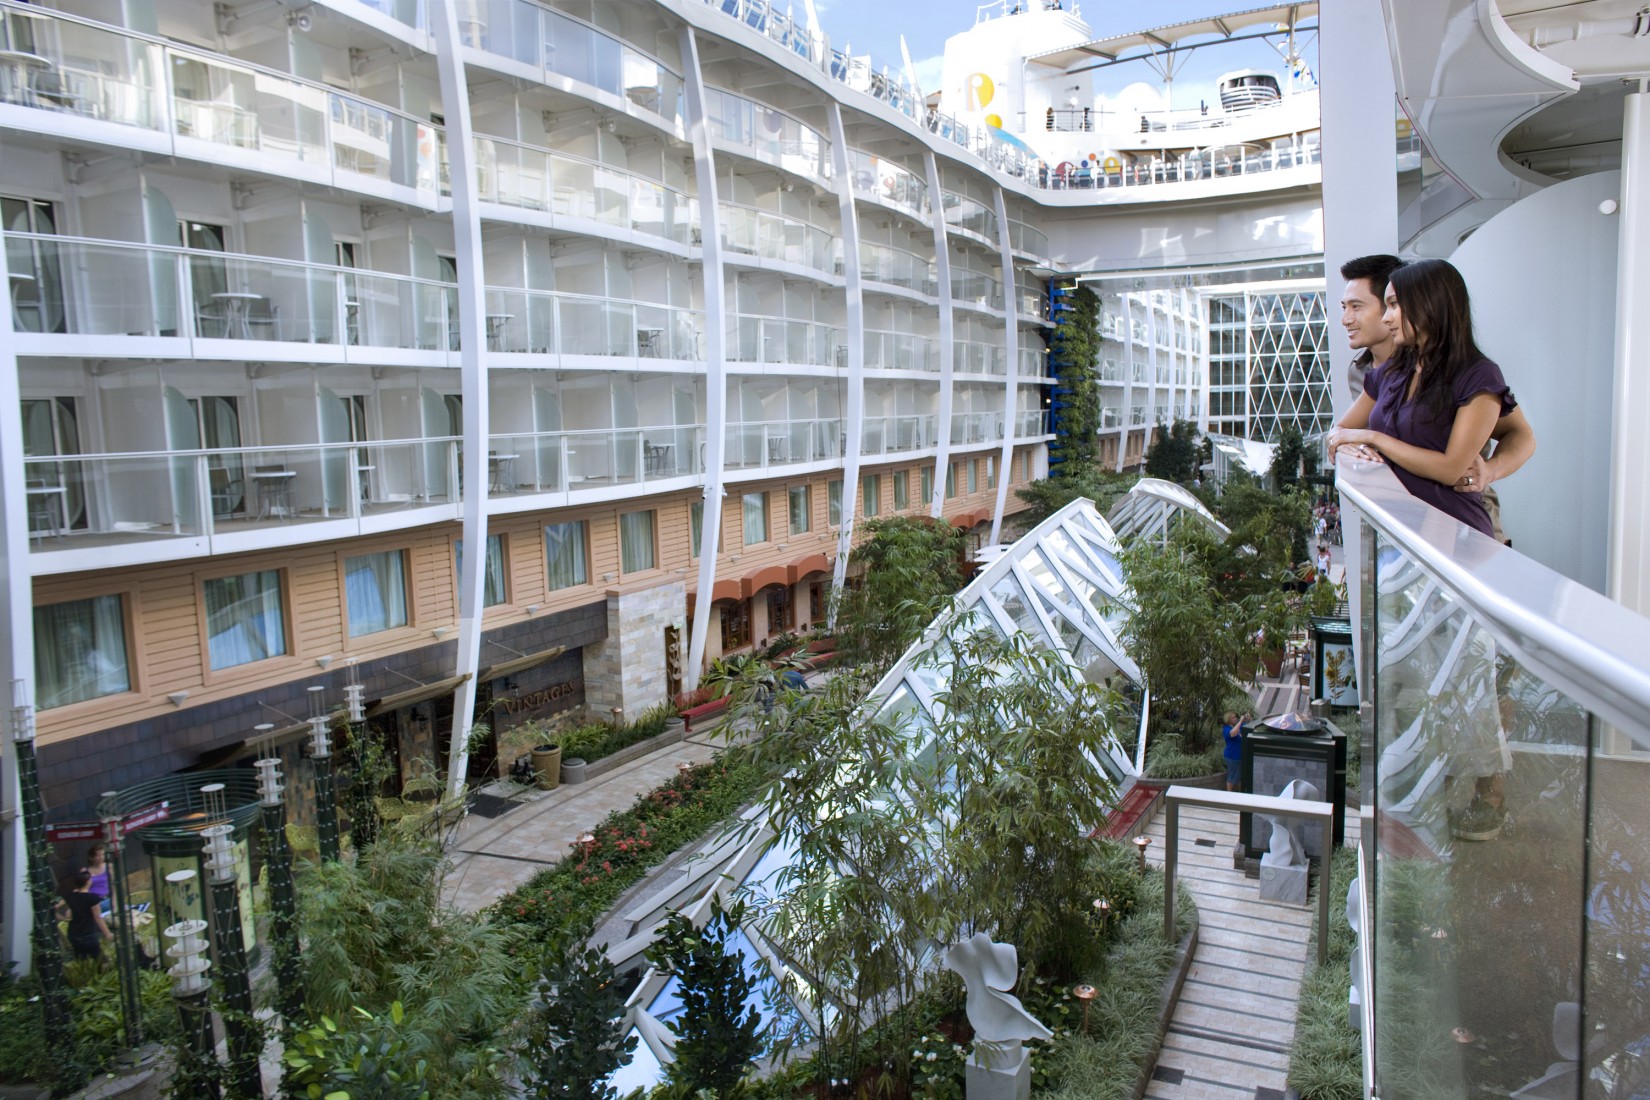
[(566, 692)]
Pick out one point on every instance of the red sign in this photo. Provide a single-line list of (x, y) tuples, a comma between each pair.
[(74, 830), (137, 819)]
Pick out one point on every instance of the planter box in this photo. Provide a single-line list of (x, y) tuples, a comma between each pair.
[(595, 769)]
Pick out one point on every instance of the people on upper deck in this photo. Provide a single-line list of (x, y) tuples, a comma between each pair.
[(1434, 332)]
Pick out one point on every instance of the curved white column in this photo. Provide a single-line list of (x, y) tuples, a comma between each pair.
[(455, 98), (1629, 545), (853, 414), (716, 385), (948, 332), (1011, 388)]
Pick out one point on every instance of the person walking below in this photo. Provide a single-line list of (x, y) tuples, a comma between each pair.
[(1232, 734), (87, 928)]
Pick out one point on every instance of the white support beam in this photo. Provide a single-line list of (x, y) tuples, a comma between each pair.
[(853, 414), (1629, 545), (948, 333)]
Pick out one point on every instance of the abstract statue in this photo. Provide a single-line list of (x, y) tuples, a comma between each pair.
[(998, 1069)]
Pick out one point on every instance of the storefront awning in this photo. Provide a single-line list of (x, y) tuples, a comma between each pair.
[(807, 565), (756, 580), (520, 664)]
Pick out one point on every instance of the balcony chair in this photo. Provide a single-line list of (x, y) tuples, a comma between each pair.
[(45, 509), (211, 323), (263, 320), (228, 494)]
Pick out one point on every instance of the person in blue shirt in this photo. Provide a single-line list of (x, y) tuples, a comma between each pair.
[(1232, 734)]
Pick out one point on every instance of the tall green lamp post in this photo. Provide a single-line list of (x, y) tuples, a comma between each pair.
[(131, 1005), (326, 782), (282, 897), (47, 945), (229, 945)]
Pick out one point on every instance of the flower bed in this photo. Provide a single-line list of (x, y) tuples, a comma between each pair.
[(567, 898)]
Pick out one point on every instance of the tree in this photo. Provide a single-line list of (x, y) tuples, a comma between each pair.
[(1072, 357), (1287, 456), (1174, 456), (576, 1038), (1048, 495), (717, 1033), (905, 573), (1022, 733)]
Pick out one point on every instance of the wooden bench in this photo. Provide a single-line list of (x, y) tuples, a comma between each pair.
[(704, 712)]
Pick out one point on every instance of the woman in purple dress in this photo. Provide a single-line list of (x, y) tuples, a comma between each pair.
[(1430, 409)]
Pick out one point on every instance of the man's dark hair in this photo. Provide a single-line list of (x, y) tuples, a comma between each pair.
[(1376, 269)]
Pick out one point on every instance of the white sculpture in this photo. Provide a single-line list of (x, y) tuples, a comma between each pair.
[(1283, 869), (998, 1068)]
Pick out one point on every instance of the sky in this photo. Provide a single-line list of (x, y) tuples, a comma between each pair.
[(874, 27)]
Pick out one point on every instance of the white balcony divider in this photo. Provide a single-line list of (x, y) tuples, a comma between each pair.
[(750, 231), (529, 177), (543, 322)]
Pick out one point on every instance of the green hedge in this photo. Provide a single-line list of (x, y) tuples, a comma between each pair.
[(561, 902), (1326, 1058)]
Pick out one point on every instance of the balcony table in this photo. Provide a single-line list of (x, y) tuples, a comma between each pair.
[(275, 493), (495, 329), (501, 471), (647, 342), (236, 304), (17, 69)]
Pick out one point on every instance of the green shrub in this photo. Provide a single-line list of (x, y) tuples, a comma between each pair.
[(1326, 1058), (717, 1033), (363, 1057), (576, 1038), (1166, 758)]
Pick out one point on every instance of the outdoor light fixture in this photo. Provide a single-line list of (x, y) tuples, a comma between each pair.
[(323, 662), (178, 697), (440, 632), (532, 609), (189, 972), (1102, 909), (354, 693), (320, 746), (1085, 993), (22, 714), (1141, 843)]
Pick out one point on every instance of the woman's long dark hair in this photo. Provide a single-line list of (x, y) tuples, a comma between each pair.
[(1437, 310)]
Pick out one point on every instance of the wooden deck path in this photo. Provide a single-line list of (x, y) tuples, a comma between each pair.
[(1230, 1034)]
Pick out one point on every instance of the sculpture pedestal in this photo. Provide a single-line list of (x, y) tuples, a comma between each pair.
[(998, 1071), (1285, 882)]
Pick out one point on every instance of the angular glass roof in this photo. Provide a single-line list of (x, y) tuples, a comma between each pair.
[(1060, 585), (1153, 508)]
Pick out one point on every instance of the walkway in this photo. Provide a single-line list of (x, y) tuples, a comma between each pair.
[(1230, 1034)]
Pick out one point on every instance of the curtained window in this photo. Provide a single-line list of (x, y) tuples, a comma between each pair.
[(564, 555), (492, 585), (245, 621), (636, 541), (927, 484), (800, 520), (833, 503), (756, 518), (375, 589), (973, 477), (80, 651), (902, 490), (870, 487), (696, 526)]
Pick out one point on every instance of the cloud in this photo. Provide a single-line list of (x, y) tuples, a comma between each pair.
[(928, 72)]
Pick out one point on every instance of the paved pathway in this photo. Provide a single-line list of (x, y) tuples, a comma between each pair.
[(1230, 1034)]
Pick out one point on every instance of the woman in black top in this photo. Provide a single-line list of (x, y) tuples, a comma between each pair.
[(87, 929)]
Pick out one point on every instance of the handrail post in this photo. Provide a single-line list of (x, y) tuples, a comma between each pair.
[(1171, 850)]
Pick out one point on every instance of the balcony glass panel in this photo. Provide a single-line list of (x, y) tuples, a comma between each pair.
[(976, 427), (757, 444), (767, 133), (1033, 363), (889, 181), (895, 434), (1024, 238), (530, 178), (976, 287), (881, 263), (542, 322), (970, 214), (83, 69), (753, 232), (779, 340), (252, 109), (900, 351), (978, 357)]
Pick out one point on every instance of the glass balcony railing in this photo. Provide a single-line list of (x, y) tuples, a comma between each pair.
[(1137, 415), (414, 13), (1111, 418), (881, 263), (1033, 363), (74, 66), (542, 322), (885, 435), (92, 501), (561, 45), (1023, 238), (767, 134), (900, 351), (976, 288), (750, 231), (888, 181), (109, 288), (976, 427), (1504, 828), (555, 462), (783, 341), (1147, 170), (530, 178), (978, 357), (1030, 423), (759, 444), (972, 215), (1031, 303)]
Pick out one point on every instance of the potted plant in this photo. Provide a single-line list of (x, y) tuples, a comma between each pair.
[(547, 765)]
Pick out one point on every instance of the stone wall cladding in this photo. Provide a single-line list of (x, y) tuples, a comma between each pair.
[(627, 670)]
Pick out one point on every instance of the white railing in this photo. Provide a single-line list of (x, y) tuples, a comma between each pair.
[(888, 181), (976, 288), (751, 231), (757, 444), (884, 263), (883, 435), (976, 427), (783, 341), (74, 285), (979, 357), (886, 350), (511, 173), (767, 134), (115, 75), (542, 322), (962, 212)]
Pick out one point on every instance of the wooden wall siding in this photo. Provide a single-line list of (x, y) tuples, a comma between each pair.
[(165, 608)]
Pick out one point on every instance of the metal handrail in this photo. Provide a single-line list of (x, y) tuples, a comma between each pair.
[(1592, 648)]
